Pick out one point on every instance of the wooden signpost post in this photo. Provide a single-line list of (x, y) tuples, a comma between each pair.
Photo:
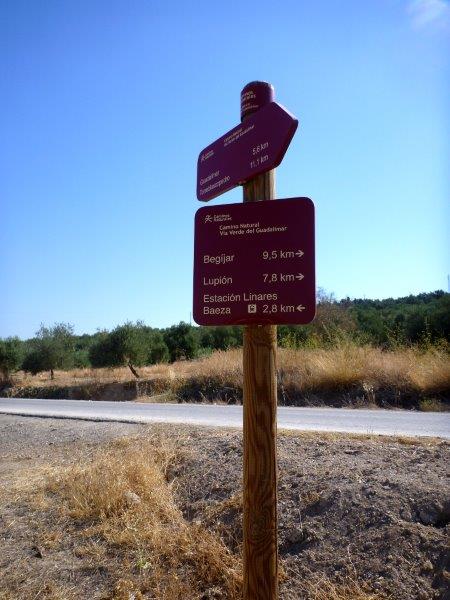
[(255, 266), (260, 415)]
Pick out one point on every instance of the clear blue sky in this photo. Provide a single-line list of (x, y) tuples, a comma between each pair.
[(105, 105)]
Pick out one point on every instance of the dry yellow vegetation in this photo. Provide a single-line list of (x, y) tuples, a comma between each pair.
[(124, 503), (114, 510), (347, 366)]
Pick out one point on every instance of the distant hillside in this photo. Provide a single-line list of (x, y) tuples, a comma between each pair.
[(420, 318)]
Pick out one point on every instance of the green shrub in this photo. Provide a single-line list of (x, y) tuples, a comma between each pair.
[(11, 356)]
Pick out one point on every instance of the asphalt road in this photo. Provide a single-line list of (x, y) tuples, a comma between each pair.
[(384, 422)]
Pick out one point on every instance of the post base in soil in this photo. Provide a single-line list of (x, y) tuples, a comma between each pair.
[(260, 468)]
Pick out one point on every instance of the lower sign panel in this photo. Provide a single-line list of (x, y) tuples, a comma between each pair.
[(254, 263)]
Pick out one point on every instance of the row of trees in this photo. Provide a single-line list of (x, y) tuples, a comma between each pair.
[(423, 319), (131, 344)]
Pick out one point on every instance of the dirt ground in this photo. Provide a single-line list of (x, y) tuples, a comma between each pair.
[(369, 509)]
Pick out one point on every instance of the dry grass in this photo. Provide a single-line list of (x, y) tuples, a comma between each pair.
[(349, 365), (161, 371), (306, 371), (337, 436), (115, 510), (49, 591), (125, 505)]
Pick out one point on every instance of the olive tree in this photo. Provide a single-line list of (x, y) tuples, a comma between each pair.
[(131, 345), (11, 355), (52, 348)]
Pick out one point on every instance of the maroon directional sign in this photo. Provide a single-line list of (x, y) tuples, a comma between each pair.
[(254, 263), (257, 145)]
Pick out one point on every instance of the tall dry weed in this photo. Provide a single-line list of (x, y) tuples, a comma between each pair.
[(123, 498), (345, 366)]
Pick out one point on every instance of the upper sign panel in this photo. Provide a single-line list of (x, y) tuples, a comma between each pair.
[(255, 146), (254, 263)]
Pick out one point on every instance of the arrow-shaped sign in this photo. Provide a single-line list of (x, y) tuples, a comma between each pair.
[(299, 276), (300, 307), (255, 146), (299, 253)]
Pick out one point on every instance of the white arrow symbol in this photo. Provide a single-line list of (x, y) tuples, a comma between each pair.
[(300, 307), (299, 253), (299, 276)]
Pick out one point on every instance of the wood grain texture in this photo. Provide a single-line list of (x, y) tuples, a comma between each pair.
[(260, 463)]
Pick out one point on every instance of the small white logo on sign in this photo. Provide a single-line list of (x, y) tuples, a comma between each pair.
[(208, 218), (251, 308)]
